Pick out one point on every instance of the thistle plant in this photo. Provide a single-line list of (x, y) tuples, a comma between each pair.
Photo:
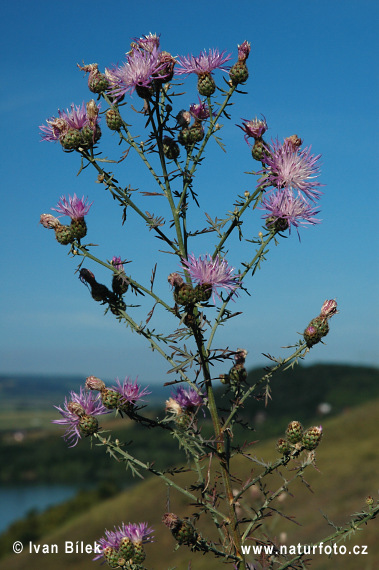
[(199, 293)]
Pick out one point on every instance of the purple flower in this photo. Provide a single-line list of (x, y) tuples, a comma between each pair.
[(88, 404), (289, 167), (329, 308), (130, 392), (244, 51), (148, 43), (213, 272), (204, 63), (74, 207), (117, 263), (188, 399), (76, 118), (138, 532), (52, 131), (254, 128), (137, 72), (295, 210), (199, 111)]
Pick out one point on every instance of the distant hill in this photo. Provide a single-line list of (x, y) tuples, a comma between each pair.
[(36, 452), (26, 392), (303, 386)]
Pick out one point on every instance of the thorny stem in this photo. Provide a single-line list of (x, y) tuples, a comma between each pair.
[(298, 353), (86, 253), (248, 266), (124, 198), (115, 447), (355, 523)]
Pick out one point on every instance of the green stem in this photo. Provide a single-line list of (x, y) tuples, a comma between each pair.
[(298, 353), (117, 449)]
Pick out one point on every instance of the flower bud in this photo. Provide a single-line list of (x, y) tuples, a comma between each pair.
[(113, 119), (110, 398), (76, 408), (126, 549), (316, 329), (63, 234), (185, 294), (78, 228), (94, 383), (182, 530), (206, 85), (224, 378), (183, 118), (294, 141), (329, 309), (283, 446), (170, 148), (49, 221), (258, 150), (111, 556), (239, 73), (312, 437), (294, 432), (88, 425)]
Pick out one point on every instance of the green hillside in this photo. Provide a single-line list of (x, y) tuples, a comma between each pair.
[(347, 471)]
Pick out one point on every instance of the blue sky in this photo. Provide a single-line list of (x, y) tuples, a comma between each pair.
[(312, 72)]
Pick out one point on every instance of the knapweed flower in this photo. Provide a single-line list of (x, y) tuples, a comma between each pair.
[(49, 221), (187, 400), (244, 51), (284, 210), (74, 128), (204, 63), (329, 308), (129, 391), (289, 167), (214, 273), (79, 415), (138, 72), (120, 282), (148, 43), (74, 207), (117, 263), (126, 542), (97, 82), (199, 111), (254, 128)]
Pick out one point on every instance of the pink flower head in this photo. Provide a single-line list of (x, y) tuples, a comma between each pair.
[(138, 71), (75, 118), (204, 63), (74, 207), (117, 263), (254, 128), (200, 111), (129, 391), (214, 272), (90, 405), (283, 205), (244, 51), (148, 43), (138, 532), (289, 167), (187, 399), (329, 308)]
